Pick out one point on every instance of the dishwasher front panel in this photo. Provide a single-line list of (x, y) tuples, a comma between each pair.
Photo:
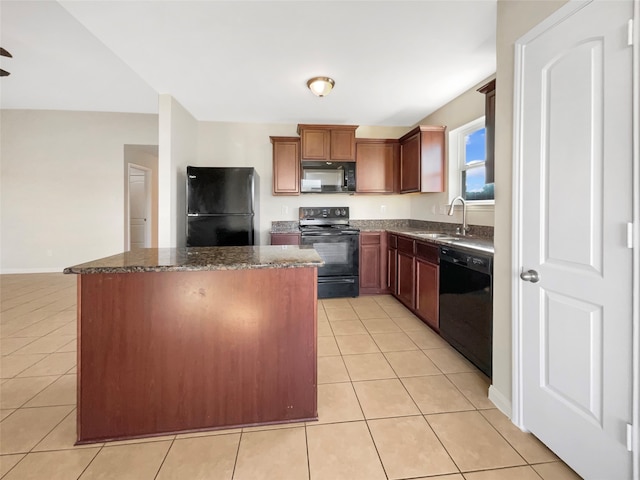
[(466, 306)]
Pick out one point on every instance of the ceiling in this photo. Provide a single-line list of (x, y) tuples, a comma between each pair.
[(394, 62)]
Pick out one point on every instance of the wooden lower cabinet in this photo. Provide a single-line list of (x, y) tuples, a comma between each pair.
[(406, 279), (373, 265), (168, 352), (414, 271), (392, 271), (285, 239), (427, 292)]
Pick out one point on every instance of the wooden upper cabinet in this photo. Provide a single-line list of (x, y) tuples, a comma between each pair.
[(489, 91), (328, 142), (376, 165), (422, 160), (286, 165)]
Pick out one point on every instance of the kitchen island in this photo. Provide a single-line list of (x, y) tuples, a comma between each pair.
[(189, 339)]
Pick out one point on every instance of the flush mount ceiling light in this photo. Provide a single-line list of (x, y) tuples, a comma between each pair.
[(321, 86)]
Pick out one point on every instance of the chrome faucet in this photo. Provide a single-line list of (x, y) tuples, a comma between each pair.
[(462, 230)]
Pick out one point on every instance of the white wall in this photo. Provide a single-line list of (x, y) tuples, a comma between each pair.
[(514, 20), (62, 194), (248, 145), (178, 146)]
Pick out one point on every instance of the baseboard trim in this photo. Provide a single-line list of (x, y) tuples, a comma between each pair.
[(500, 401), (11, 271)]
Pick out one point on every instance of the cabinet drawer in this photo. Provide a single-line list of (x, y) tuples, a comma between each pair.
[(370, 238), (405, 245), (393, 241), (428, 252)]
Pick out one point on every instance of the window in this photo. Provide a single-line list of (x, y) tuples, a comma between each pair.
[(467, 162)]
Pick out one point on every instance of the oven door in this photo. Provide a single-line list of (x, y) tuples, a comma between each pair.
[(338, 250)]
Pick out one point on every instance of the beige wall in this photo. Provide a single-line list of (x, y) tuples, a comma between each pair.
[(62, 189), (515, 18), (178, 148)]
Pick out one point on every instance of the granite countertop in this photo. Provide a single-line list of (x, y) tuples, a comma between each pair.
[(469, 242), (480, 238), (202, 258)]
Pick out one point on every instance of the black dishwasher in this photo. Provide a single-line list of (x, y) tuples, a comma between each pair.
[(466, 304)]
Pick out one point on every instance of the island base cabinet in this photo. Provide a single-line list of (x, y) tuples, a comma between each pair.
[(167, 352)]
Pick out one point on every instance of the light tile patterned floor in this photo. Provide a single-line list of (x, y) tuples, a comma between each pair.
[(394, 400)]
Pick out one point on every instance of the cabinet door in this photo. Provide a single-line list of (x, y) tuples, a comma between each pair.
[(285, 239), (369, 266), (343, 145), (375, 167), (286, 166), (427, 292), (315, 144), (410, 164), (432, 166), (406, 275), (392, 271)]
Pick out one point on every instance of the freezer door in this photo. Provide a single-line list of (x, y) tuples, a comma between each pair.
[(220, 230), (215, 191)]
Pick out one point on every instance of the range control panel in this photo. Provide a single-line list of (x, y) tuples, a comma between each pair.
[(335, 215)]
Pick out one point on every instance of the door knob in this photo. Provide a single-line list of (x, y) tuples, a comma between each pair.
[(530, 276)]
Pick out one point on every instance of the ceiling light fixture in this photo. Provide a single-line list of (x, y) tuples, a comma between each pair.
[(321, 86)]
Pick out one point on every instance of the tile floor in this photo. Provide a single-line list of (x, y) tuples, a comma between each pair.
[(394, 400)]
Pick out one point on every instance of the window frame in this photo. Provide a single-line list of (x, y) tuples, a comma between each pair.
[(457, 164)]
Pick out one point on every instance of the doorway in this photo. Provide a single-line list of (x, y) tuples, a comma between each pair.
[(139, 207), (140, 196)]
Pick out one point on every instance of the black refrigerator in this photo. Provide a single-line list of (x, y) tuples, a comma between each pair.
[(222, 206)]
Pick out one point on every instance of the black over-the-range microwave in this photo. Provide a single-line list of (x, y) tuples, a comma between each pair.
[(328, 177)]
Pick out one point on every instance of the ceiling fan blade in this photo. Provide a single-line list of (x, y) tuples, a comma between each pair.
[(4, 53), (4, 73)]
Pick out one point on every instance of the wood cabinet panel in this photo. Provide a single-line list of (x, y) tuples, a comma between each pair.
[(285, 239), (428, 253), (427, 285), (406, 245), (164, 352), (286, 165), (315, 144), (406, 279), (328, 142), (342, 145), (410, 164), (392, 264), (373, 263), (422, 160), (376, 165), (490, 123)]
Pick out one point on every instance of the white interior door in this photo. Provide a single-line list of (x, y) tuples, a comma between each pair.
[(138, 208), (576, 191)]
